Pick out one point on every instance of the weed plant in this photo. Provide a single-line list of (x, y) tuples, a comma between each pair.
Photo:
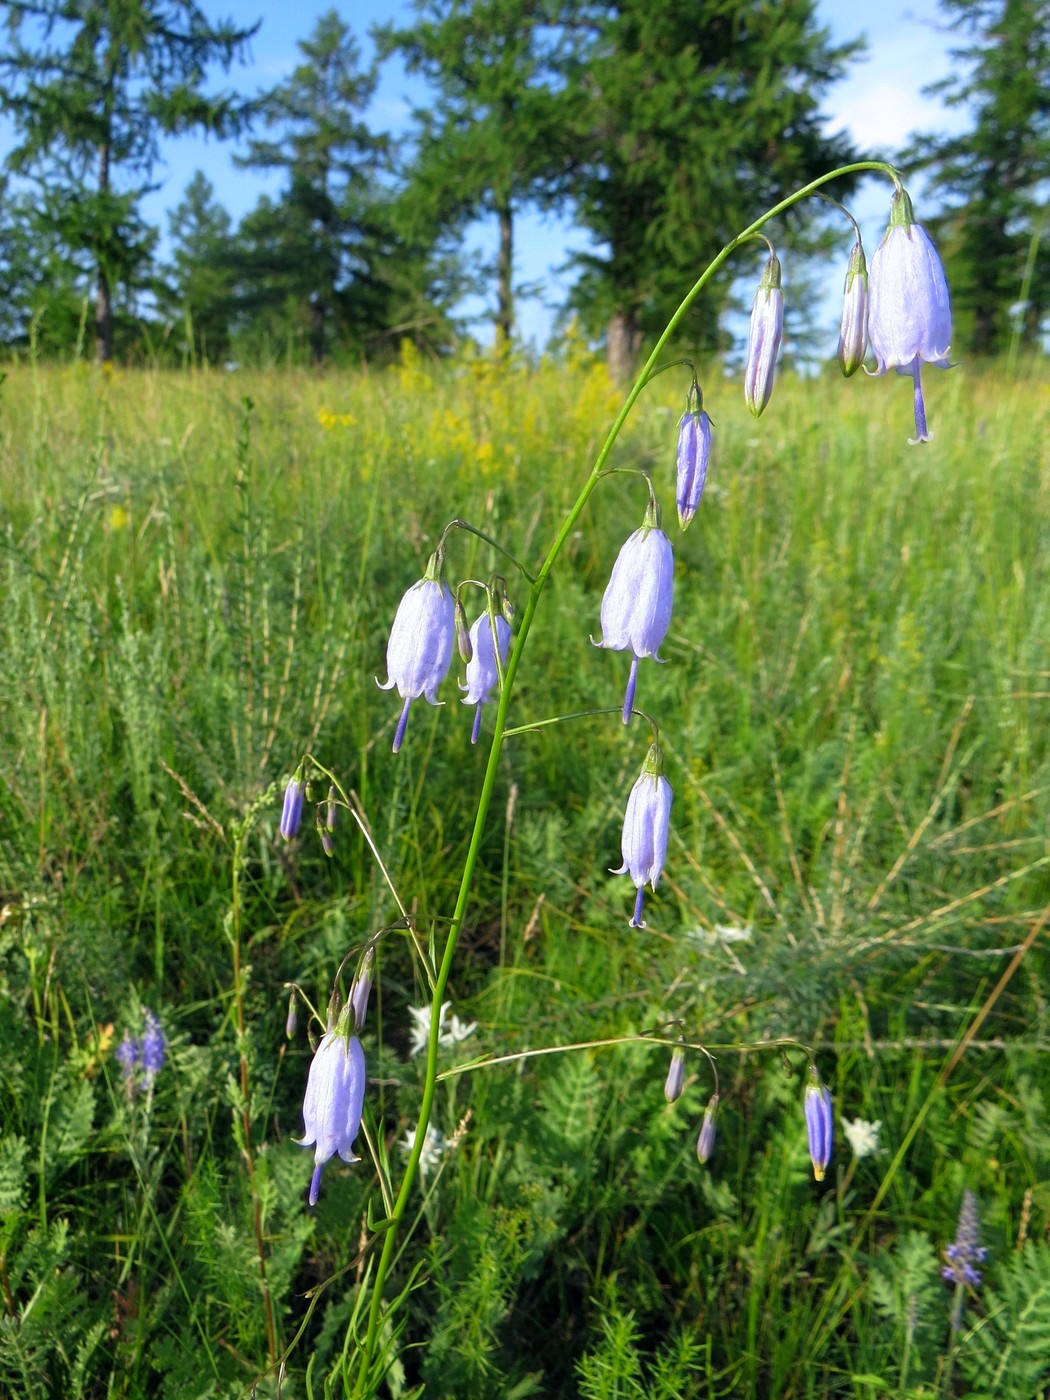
[(199, 573)]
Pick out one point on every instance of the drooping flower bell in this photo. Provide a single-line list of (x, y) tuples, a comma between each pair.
[(636, 608), (909, 309), (482, 673), (645, 828), (419, 651), (292, 810), (764, 337), (819, 1123), (335, 1093), (694, 452), (853, 330), (675, 1081), (705, 1143)]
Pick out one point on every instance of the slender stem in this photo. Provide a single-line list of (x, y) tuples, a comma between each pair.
[(246, 1117), (369, 1345)]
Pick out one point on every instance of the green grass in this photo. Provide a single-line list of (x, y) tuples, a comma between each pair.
[(854, 714)]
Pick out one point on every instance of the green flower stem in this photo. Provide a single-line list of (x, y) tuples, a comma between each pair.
[(370, 1343)]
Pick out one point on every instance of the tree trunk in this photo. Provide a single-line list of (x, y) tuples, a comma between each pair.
[(622, 342), (103, 297), (505, 274)]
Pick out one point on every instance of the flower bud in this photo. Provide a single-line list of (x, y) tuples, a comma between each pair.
[(853, 331), (463, 642), (292, 811), (819, 1123), (694, 451), (675, 1080), (763, 342), (291, 1024), (705, 1143), (332, 811), (362, 987)]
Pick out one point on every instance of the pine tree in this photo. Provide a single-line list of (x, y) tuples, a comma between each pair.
[(995, 233), (496, 135), (202, 272), (321, 228), (699, 114), (91, 86)]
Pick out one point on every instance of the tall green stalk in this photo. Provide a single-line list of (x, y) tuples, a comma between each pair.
[(369, 1345)]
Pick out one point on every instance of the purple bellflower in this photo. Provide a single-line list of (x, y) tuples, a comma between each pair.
[(853, 331), (292, 811), (819, 1123), (705, 1143), (910, 311), (694, 452), (764, 336), (482, 673), (645, 827), (675, 1081), (335, 1094), (636, 608), (419, 651)]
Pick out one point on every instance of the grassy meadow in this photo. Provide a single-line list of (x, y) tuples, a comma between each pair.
[(854, 714)]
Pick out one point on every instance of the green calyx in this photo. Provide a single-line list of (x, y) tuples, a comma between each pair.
[(653, 515), (902, 215), (653, 767), (435, 570), (857, 265), (771, 274)]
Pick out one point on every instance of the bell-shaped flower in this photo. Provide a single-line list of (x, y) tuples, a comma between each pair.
[(482, 672), (675, 1081), (419, 651), (636, 608), (705, 1143), (335, 1093), (292, 810), (694, 452), (764, 336), (853, 330), (645, 827), (909, 309), (819, 1123)]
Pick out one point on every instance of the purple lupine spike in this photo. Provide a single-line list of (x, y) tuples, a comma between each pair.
[(675, 1081), (909, 308), (482, 673), (645, 829), (819, 1123), (332, 1106), (128, 1053), (694, 451), (705, 1143), (764, 337), (853, 330), (153, 1047), (291, 813), (636, 607), (965, 1252), (422, 638)]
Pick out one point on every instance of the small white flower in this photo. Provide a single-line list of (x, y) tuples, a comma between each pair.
[(863, 1137), (450, 1030), (435, 1144)]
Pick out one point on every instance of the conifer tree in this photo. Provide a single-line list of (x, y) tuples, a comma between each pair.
[(202, 271), (995, 234), (91, 86), (320, 228)]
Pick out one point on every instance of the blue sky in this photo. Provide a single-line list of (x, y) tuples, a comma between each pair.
[(880, 105)]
